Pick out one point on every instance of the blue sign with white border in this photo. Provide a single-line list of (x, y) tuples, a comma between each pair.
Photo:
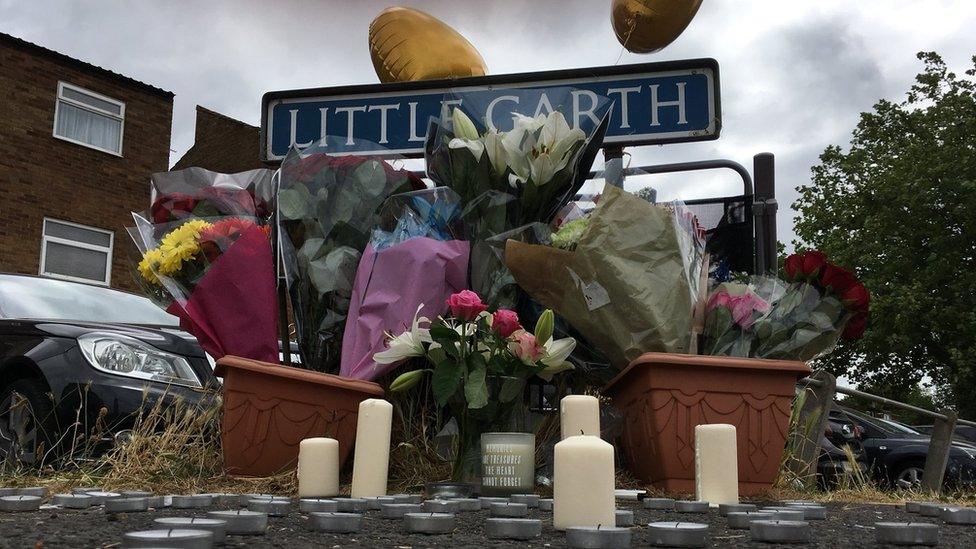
[(652, 103)]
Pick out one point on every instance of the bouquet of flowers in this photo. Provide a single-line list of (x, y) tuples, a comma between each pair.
[(507, 179), (200, 193), (799, 317), (479, 362), (628, 277), (217, 277), (328, 207), (416, 256)]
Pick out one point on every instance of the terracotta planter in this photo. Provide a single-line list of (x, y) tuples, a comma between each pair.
[(269, 409), (664, 396)]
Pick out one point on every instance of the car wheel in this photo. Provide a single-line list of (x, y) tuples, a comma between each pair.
[(908, 476), (26, 414)]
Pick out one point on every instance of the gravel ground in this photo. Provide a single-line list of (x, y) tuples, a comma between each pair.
[(847, 525)]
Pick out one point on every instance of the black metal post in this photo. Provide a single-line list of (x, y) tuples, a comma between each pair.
[(764, 207), (280, 282)]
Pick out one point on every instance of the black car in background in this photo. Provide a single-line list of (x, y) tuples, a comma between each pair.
[(76, 355), (896, 453)]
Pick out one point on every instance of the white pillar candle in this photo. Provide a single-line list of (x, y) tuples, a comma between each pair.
[(583, 483), (579, 415), (371, 461), (318, 468), (716, 464)]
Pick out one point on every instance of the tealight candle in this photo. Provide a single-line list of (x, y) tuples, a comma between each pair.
[(157, 502), (241, 522), (374, 503), (716, 464), (20, 503), (336, 523), (810, 512), (126, 505), (273, 507), (32, 491), (429, 523), (597, 537), (624, 517), (906, 533), (579, 415), (217, 527), (691, 506), (530, 500), (99, 498), (661, 504), (316, 505), (351, 505), (194, 501), (81, 490), (740, 520), (785, 514), (318, 468), (513, 528), (174, 539), (371, 461), (226, 500), (725, 508), (440, 506), (545, 504), (510, 510), (931, 509), (407, 498), (584, 483), (959, 515), (486, 502), (780, 531), (4, 492), (911, 507), (397, 510), (677, 534), (628, 494), (72, 501), (136, 494), (468, 504)]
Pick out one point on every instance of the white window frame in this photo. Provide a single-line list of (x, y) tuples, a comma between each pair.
[(74, 243), (120, 117)]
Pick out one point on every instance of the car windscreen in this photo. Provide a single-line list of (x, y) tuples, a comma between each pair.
[(49, 299), (898, 427)]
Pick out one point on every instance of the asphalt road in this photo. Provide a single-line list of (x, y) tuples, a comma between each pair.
[(847, 525)]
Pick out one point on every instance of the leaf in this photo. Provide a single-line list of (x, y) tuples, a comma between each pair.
[(445, 381), (511, 389), (442, 334), (293, 202), (475, 387)]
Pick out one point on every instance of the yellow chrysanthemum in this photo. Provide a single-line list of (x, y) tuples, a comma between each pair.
[(149, 264), (180, 245)]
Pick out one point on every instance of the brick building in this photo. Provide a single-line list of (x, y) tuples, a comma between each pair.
[(222, 144), (77, 146)]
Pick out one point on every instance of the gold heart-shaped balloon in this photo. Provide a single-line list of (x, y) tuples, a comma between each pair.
[(408, 44), (645, 26)]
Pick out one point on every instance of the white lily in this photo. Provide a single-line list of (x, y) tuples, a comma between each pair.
[(408, 344), (476, 146), (539, 147), (557, 351), (497, 153), (463, 126)]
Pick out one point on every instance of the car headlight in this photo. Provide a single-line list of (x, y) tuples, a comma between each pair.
[(122, 355)]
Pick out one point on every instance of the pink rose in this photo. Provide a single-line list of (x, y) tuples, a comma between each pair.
[(523, 345), (466, 305), (744, 305), (505, 322), (719, 298)]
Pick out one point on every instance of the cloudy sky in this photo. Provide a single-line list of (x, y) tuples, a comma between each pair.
[(795, 74)]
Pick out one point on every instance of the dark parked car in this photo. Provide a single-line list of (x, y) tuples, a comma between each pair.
[(965, 432), (74, 353), (835, 463), (896, 453)]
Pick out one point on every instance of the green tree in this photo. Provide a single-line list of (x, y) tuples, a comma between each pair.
[(899, 207)]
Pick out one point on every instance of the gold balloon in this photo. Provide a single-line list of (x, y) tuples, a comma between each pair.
[(407, 44), (645, 26)]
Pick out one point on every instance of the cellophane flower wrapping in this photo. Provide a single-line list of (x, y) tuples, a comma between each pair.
[(513, 170), (798, 319), (328, 206), (632, 281), (200, 193), (215, 274), (416, 258)]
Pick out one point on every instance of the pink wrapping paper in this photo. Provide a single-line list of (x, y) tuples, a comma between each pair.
[(390, 284), (233, 309)]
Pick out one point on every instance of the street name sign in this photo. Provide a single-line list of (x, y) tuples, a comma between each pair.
[(652, 103)]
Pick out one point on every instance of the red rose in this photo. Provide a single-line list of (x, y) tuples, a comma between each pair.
[(837, 279), (855, 327), (505, 322), (856, 298), (171, 207), (805, 265), (228, 200), (215, 240), (466, 305)]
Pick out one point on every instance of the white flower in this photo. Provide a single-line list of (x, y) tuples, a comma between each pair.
[(557, 351), (539, 147), (408, 344), (476, 146), (463, 126)]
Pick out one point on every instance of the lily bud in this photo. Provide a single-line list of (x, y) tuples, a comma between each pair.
[(463, 126), (407, 381), (544, 327)]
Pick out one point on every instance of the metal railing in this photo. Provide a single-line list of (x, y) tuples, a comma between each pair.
[(812, 422)]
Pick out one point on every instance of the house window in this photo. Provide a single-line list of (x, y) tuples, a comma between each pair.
[(89, 119), (76, 252)]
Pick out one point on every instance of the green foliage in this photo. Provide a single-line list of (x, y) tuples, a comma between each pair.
[(898, 207)]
